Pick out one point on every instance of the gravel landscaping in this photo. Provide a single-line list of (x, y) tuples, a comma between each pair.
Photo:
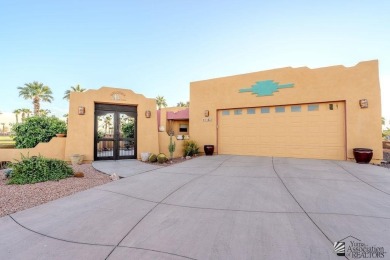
[(15, 198)]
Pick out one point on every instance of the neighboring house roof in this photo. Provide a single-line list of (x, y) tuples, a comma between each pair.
[(179, 115)]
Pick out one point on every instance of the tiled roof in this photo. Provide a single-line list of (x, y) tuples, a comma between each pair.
[(179, 115)]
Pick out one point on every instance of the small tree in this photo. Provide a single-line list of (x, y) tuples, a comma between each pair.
[(17, 112), (182, 104), (161, 102), (25, 113), (37, 92), (171, 147), (37, 129), (76, 88)]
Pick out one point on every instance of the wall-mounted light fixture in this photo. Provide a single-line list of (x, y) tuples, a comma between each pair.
[(148, 114), (206, 113), (363, 103), (81, 110)]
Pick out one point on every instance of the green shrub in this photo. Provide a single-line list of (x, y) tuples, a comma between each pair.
[(153, 158), (190, 148), (162, 158), (38, 169), (37, 129)]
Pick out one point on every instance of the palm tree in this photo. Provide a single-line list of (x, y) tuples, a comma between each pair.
[(25, 112), (161, 102), (17, 112), (3, 124), (77, 88), (37, 92), (44, 112), (182, 104)]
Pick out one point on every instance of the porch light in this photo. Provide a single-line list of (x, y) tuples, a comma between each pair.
[(81, 110), (363, 103), (148, 114), (206, 113)]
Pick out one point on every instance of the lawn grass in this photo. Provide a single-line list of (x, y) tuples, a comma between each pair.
[(6, 140)]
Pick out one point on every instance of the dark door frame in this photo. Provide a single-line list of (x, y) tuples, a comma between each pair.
[(116, 109)]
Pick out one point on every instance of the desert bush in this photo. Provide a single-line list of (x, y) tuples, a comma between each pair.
[(38, 169), (162, 158), (153, 158), (190, 148), (37, 129)]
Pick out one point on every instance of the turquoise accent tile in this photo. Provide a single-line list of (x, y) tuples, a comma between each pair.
[(265, 88)]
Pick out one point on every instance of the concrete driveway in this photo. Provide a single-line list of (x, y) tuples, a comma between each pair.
[(218, 207)]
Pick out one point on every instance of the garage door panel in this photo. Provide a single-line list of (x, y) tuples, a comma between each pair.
[(305, 134)]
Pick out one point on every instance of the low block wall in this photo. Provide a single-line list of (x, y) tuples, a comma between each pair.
[(54, 149)]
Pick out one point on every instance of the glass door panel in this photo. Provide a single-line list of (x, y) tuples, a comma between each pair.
[(105, 134), (126, 139)]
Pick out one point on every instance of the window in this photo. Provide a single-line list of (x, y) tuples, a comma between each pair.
[(313, 107), (183, 128), (251, 111), (295, 108), (264, 110), (279, 109), (225, 112), (238, 112)]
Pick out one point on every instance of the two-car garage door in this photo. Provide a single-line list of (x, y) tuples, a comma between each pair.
[(303, 131)]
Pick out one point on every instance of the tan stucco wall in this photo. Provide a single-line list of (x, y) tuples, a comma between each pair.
[(336, 83), (54, 149), (80, 138)]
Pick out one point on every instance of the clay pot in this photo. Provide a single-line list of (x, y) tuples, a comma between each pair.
[(209, 149), (362, 155)]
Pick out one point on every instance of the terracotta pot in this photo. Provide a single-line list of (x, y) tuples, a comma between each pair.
[(60, 135), (362, 155), (209, 149)]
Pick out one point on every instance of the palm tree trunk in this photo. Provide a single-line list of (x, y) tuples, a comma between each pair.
[(36, 106), (17, 118)]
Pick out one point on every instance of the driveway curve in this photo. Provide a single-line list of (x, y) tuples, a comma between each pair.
[(217, 207)]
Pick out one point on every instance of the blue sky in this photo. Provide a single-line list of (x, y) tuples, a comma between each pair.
[(159, 47)]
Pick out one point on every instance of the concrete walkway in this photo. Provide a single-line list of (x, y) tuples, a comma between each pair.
[(219, 207), (124, 168)]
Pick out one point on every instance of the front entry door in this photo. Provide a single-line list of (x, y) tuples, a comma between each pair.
[(115, 132)]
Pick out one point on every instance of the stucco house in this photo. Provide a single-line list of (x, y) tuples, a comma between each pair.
[(320, 113)]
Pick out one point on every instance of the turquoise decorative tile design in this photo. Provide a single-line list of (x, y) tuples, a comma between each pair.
[(265, 88)]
